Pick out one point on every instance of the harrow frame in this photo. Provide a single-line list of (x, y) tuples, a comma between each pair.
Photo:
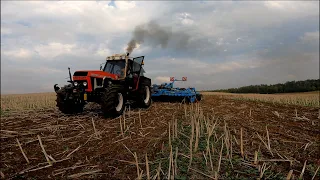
[(166, 92)]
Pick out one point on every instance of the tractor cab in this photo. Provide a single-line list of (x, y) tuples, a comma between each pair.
[(115, 67), (123, 66)]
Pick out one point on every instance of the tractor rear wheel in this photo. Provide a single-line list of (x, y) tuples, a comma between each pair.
[(199, 97), (67, 106), (144, 100), (113, 101)]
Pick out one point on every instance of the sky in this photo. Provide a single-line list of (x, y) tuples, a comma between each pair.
[(215, 44)]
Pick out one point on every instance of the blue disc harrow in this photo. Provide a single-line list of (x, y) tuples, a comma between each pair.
[(167, 93)]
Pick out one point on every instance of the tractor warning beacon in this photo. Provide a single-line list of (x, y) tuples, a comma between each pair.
[(119, 81)]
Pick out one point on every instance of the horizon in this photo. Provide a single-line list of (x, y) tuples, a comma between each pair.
[(178, 86)]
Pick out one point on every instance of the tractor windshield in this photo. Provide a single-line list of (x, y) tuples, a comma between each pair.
[(115, 67)]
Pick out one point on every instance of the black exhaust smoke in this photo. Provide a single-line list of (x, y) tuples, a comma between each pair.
[(156, 35)]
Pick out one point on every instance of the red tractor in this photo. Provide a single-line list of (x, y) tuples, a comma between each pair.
[(121, 80)]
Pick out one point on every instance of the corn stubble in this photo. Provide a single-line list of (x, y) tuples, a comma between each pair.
[(302, 99), (202, 146), (224, 150)]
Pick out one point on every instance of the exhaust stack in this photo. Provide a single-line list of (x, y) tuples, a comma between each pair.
[(127, 64)]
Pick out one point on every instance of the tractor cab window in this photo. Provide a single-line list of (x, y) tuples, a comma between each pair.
[(115, 67)]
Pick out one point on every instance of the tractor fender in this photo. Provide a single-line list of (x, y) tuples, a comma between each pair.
[(56, 87), (145, 81), (105, 81)]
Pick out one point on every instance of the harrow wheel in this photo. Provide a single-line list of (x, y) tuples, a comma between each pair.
[(67, 106), (145, 100), (113, 101)]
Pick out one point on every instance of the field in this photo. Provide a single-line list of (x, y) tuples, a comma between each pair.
[(304, 99), (225, 136)]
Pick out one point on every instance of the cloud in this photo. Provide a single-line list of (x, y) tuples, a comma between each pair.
[(54, 49), (103, 52), (123, 5), (281, 5), (5, 31), (310, 37), (28, 79), (185, 18), (161, 79), (18, 53), (216, 44), (186, 66), (290, 6)]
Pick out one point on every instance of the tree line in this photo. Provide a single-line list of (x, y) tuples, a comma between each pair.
[(288, 87)]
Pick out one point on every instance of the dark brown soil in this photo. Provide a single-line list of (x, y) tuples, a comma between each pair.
[(71, 140)]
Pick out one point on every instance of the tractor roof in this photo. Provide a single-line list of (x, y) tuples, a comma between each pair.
[(117, 57)]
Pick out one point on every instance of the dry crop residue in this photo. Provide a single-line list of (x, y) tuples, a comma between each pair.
[(293, 130), (87, 145)]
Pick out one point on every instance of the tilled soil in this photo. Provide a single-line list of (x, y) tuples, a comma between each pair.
[(88, 146), (294, 131)]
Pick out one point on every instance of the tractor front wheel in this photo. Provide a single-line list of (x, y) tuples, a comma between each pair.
[(113, 101), (144, 99), (67, 106)]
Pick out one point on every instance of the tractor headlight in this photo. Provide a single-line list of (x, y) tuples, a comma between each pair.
[(109, 82), (85, 83), (75, 84)]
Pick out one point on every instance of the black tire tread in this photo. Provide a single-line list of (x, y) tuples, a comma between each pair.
[(199, 97), (140, 100), (65, 107), (109, 99)]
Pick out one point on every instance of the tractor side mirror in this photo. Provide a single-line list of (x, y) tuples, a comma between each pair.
[(101, 66)]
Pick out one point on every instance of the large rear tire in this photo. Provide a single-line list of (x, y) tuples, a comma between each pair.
[(144, 100), (67, 106), (199, 97), (113, 101)]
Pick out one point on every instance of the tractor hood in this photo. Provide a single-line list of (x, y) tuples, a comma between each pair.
[(95, 73)]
